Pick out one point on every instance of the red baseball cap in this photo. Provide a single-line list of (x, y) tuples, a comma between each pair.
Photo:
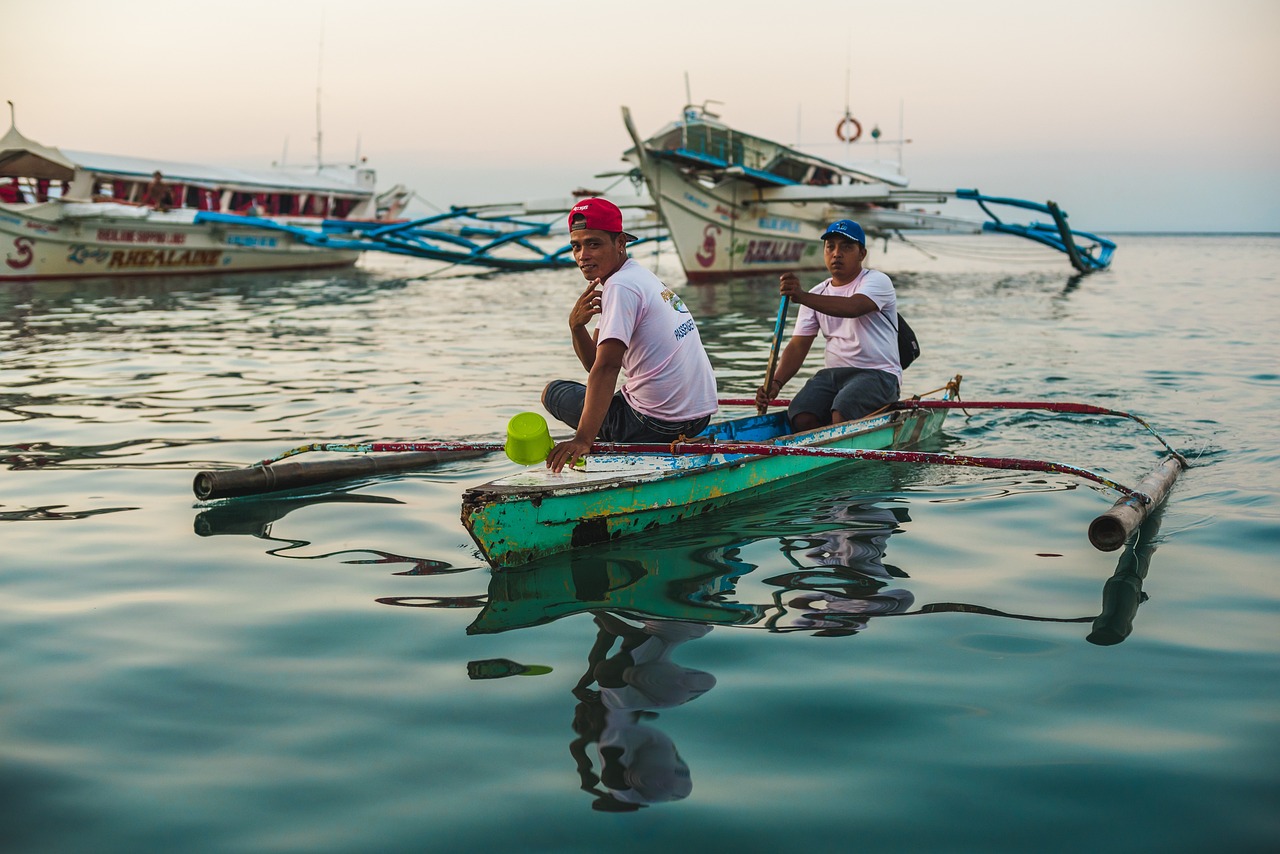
[(597, 215)]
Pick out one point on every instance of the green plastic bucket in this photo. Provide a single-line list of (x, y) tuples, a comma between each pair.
[(528, 440)]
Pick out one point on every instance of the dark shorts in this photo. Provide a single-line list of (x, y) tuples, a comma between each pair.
[(564, 400), (853, 392)]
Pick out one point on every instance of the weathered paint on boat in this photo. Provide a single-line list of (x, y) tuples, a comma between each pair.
[(527, 516)]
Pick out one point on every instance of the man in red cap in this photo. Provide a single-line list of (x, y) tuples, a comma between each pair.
[(644, 329)]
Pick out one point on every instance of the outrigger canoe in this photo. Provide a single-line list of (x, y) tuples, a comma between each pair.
[(621, 489), (535, 513)]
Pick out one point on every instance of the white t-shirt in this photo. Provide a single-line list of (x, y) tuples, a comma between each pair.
[(669, 376), (869, 341)]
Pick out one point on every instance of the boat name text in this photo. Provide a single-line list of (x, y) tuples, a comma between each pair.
[(775, 224), (164, 258), (773, 251), (128, 235), (725, 213), (247, 240), (80, 253)]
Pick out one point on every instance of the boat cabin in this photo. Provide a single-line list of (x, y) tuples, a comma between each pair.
[(712, 152), (31, 173)]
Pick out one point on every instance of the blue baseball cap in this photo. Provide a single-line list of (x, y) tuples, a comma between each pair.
[(846, 228)]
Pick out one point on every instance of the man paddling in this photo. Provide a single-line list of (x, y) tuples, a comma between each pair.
[(644, 329), (857, 312)]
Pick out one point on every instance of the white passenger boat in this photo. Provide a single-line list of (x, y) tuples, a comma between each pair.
[(72, 214), (739, 205)]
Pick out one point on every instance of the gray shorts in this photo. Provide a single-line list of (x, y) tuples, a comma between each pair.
[(564, 399), (853, 392)]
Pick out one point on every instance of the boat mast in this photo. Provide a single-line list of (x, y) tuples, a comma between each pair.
[(848, 77), (319, 77), (688, 113), (902, 134)]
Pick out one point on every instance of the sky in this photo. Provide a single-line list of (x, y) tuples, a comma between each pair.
[(1133, 115)]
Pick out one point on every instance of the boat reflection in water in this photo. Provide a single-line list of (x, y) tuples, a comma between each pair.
[(836, 578), (651, 596), (821, 570)]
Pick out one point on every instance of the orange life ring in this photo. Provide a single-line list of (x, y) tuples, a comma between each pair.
[(857, 129)]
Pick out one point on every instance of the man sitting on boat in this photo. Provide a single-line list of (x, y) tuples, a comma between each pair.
[(644, 329), (158, 195), (857, 312)]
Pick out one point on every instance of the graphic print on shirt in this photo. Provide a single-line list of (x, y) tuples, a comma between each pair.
[(673, 299)]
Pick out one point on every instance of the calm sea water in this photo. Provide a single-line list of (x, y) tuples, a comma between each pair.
[(895, 658)]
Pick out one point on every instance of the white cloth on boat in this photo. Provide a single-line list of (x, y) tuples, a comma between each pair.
[(669, 376), (869, 341)]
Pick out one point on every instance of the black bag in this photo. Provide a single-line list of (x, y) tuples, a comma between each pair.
[(908, 344)]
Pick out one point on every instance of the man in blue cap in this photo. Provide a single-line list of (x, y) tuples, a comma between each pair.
[(857, 312)]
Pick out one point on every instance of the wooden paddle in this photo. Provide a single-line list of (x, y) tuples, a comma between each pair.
[(778, 326)]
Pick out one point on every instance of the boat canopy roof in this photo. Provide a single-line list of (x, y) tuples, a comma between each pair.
[(25, 158), (219, 176), (21, 157), (705, 144)]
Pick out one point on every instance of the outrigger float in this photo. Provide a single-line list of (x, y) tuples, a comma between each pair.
[(624, 489)]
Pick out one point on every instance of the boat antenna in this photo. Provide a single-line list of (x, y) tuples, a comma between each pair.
[(689, 114), (902, 134), (319, 76), (13, 115), (848, 84)]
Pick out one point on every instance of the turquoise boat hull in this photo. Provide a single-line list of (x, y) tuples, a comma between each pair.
[(533, 514)]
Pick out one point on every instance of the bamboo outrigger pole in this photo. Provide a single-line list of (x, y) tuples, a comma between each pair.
[(1112, 529), (259, 479)]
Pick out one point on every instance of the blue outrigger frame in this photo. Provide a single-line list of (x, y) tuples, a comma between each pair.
[(474, 241), (477, 237), (1057, 235)]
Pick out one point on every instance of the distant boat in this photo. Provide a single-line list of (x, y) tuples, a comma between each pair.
[(739, 205), (72, 214)]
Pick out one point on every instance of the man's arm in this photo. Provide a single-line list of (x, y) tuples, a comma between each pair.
[(601, 383), (850, 306)]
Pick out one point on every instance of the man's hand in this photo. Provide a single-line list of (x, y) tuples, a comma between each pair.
[(789, 285), (764, 394), (566, 452), (587, 306)]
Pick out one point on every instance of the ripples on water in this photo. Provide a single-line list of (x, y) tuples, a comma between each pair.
[(897, 655)]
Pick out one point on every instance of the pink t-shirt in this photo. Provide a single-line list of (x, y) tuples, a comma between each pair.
[(669, 376), (869, 341)]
